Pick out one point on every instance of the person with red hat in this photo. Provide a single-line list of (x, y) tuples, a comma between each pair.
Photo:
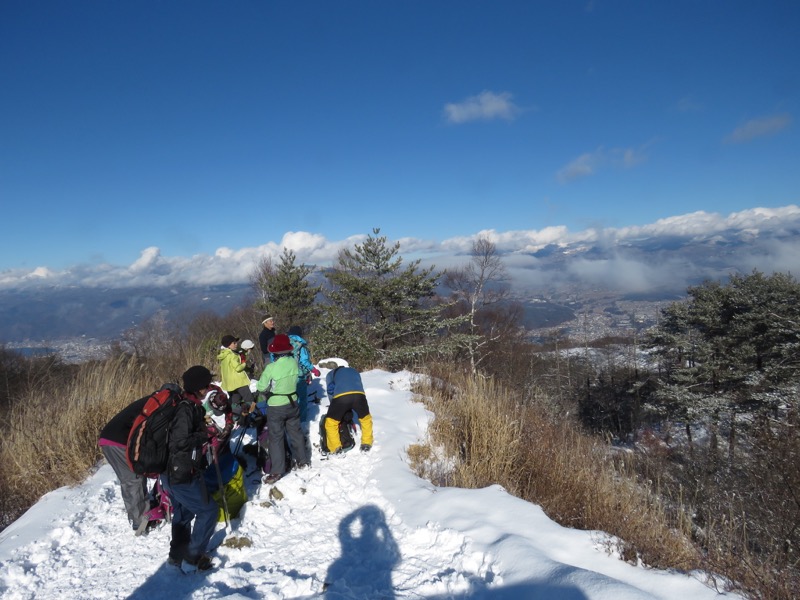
[(278, 383)]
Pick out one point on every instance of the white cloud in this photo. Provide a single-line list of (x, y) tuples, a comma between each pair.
[(514, 241), (616, 272), (627, 258), (486, 106), (702, 223), (688, 104), (583, 166), (41, 272), (591, 162), (760, 127), (148, 258)]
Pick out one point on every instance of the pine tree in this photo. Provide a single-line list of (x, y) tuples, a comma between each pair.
[(338, 335), (392, 305), (285, 292), (729, 347)]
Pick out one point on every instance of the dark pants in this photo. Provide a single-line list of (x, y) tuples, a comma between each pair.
[(302, 398), (343, 404), (133, 486), (339, 407), (240, 396), (190, 501), (284, 422)]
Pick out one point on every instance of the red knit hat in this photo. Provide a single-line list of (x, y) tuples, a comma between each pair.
[(280, 344)]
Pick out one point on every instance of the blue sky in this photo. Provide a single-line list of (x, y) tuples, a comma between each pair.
[(134, 130)]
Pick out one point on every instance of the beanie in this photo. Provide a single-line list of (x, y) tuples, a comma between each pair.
[(227, 340), (196, 378)]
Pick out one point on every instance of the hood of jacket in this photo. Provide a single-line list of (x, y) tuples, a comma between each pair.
[(221, 354)]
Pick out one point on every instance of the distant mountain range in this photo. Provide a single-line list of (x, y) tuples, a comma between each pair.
[(43, 315), (614, 272), (55, 313)]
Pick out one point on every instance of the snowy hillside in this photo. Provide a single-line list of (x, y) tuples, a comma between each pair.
[(361, 526)]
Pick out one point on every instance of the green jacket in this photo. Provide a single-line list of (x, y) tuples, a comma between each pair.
[(279, 380), (231, 369)]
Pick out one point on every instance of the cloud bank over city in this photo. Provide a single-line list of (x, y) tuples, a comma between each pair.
[(669, 253)]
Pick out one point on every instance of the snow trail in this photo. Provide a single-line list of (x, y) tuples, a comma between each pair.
[(332, 533), (359, 526)]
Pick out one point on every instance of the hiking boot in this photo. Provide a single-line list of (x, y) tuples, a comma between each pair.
[(173, 561), (146, 526), (272, 478), (202, 563), (154, 524), (141, 528), (366, 447), (304, 466)]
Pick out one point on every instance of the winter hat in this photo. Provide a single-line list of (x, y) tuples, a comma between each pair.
[(196, 378), (217, 400), (247, 345), (280, 344), (227, 340), (295, 330), (265, 319)]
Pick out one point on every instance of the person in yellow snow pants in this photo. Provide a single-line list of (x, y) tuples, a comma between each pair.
[(346, 393)]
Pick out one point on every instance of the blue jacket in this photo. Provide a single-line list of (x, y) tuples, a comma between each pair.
[(302, 355), (342, 381)]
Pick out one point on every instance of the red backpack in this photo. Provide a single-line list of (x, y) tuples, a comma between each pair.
[(147, 449)]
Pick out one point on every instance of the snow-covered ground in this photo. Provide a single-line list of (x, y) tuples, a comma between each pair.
[(360, 526)]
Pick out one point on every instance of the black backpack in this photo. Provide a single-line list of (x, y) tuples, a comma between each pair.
[(346, 430), (147, 449)]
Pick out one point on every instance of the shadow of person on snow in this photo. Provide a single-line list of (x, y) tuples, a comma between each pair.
[(369, 554)]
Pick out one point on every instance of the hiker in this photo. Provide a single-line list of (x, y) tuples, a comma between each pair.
[(346, 393), (306, 368), (234, 379), (183, 480), (244, 356), (113, 443), (278, 383), (219, 416), (265, 337)]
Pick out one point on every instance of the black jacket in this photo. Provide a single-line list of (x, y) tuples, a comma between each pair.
[(118, 428), (188, 435), (264, 339)]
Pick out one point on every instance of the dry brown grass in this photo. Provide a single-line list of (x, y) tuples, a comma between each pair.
[(49, 429), (49, 438), (731, 550), (487, 437), (461, 429)]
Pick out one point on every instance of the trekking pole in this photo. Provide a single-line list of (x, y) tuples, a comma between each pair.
[(213, 452), (239, 441)]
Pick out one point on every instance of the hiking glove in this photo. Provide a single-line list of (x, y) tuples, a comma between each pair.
[(315, 371)]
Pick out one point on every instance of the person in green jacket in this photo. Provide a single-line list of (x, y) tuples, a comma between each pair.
[(278, 383), (235, 380)]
